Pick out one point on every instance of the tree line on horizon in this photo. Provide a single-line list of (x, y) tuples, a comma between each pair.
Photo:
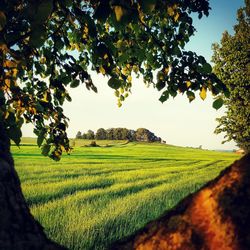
[(141, 134)]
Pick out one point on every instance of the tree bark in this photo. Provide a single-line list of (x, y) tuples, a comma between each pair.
[(217, 217), (18, 228)]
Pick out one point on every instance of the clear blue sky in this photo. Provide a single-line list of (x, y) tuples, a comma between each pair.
[(176, 121)]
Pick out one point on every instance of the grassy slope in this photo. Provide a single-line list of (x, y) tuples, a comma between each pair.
[(98, 195)]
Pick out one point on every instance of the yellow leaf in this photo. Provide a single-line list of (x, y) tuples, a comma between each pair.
[(105, 56), (119, 44), (135, 68), (176, 17), (3, 47), (6, 115), (124, 71), (119, 104), (117, 70), (117, 94), (129, 78), (7, 82), (166, 70), (107, 26), (43, 60), (141, 16), (119, 12), (46, 117), (56, 153), (14, 71), (102, 70), (203, 93), (9, 64), (32, 110), (188, 83), (170, 11), (85, 32), (45, 97)]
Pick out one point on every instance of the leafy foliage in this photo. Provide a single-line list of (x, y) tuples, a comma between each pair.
[(232, 66), (47, 46)]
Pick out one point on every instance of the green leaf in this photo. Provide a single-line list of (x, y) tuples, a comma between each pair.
[(218, 103), (164, 96), (41, 137), (114, 83), (59, 44), (227, 93), (123, 57), (148, 5), (190, 95), (37, 37), (206, 68), (11, 119), (43, 11), (75, 83), (172, 92), (68, 98), (160, 85), (2, 20), (102, 11), (67, 3), (177, 51), (39, 107), (20, 122), (46, 149), (122, 98), (15, 134)]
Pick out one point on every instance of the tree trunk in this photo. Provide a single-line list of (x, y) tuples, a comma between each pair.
[(18, 228), (217, 217)]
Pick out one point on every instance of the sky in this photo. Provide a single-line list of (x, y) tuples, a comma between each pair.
[(176, 121)]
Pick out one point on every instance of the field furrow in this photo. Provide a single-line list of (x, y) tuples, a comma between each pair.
[(98, 195)]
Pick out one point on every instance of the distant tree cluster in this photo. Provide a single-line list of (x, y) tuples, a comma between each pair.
[(141, 134)]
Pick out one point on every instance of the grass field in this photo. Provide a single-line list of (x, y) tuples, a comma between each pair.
[(98, 195)]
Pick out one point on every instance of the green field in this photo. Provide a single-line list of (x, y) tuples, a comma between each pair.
[(98, 195)]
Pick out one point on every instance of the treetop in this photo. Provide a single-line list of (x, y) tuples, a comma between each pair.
[(49, 46)]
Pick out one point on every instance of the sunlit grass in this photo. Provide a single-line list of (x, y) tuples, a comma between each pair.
[(98, 195)]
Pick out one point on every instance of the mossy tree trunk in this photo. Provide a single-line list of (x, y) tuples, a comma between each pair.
[(217, 217), (18, 228)]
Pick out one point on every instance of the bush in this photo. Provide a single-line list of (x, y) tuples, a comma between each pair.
[(93, 144)]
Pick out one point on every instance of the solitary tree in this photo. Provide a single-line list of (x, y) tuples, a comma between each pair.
[(47, 46), (232, 66)]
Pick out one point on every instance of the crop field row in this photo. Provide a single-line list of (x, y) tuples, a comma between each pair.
[(99, 195)]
